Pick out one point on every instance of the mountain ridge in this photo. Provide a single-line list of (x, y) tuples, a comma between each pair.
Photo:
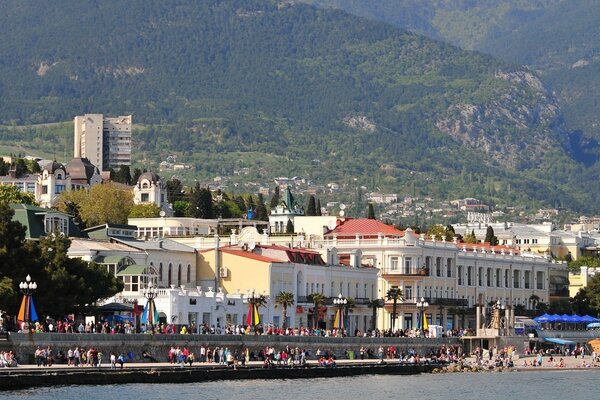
[(291, 81)]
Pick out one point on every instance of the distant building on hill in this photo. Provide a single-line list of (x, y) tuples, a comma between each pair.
[(105, 141)]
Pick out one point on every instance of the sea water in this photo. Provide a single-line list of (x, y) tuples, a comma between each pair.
[(530, 385)]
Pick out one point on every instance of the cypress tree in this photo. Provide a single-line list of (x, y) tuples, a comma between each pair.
[(311, 210), (371, 213), (289, 227), (275, 199), (319, 207)]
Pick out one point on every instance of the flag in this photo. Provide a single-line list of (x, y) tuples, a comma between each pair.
[(150, 313), (338, 323), (252, 318), (425, 324), (22, 310), (32, 313)]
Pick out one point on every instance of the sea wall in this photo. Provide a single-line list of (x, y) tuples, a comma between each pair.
[(158, 345)]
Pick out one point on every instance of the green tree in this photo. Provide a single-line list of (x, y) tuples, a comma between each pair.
[(490, 237), (70, 284), (261, 211), (581, 303), (318, 301), (311, 210), (438, 231), (592, 292), (201, 203), (181, 208), (136, 175), (147, 210), (123, 175), (374, 305), (10, 194), (285, 300), (583, 261), (395, 294), (275, 199), (101, 204), (371, 212), (289, 227), (319, 207), (470, 238), (15, 259)]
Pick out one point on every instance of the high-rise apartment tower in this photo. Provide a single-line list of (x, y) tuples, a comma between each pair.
[(105, 141)]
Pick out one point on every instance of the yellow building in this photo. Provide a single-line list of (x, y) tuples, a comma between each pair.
[(270, 269)]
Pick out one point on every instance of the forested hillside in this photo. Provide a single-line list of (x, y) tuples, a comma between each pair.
[(292, 89), (557, 38)]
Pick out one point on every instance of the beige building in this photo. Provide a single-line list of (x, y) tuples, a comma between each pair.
[(105, 141), (452, 277)]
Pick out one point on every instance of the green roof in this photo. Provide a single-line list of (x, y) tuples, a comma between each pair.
[(108, 259), (135, 269)]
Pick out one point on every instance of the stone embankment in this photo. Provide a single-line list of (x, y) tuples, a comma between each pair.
[(27, 377), (24, 345)]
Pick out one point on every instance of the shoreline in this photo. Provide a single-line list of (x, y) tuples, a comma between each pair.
[(26, 377)]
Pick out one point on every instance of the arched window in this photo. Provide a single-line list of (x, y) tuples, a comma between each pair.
[(189, 273), (160, 272), (170, 274)]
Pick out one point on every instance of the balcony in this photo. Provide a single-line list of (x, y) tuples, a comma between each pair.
[(404, 272), (434, 301)]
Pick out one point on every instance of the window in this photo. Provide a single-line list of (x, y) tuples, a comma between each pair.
[(518, 241), (460, 274), (498, 277), (469, 276), (179, 275), (408, 295), (56, 223), (189, 273), (534, 241), (539, 277), (44, 189), (407, 265), (393, 263), (480, 276), (449, 267), (438, 266), (506, 278), (527, 279), (170, 274), (58, 189), (131, 283), (516, 278), (145, 197), (160, 272), (489, 277)]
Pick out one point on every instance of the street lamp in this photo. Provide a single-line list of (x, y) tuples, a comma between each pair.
[(422, 305), (340, 302), (150, 315), (27, 312)]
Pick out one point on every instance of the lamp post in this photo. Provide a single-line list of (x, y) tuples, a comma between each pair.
[(340, 302), (27, 310), (150, 315), (422, 305)]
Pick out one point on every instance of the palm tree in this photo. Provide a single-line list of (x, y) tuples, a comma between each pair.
[(284, 299), (318, 301), (394, 294), (375, 304), (535, 299)]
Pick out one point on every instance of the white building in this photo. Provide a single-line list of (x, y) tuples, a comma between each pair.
[(151, 189)]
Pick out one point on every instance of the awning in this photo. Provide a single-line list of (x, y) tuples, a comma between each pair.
[(559, 341), (135, 269)]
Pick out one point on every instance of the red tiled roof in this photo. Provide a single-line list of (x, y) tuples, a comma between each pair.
[(363, 227), (249, 254)]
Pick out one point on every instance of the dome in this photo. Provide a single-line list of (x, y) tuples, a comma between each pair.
[(81, 168), (149, 176), (53, 166)]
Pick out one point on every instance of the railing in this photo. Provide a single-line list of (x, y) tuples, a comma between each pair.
[(435, 301), (403, 272), (359, 301)]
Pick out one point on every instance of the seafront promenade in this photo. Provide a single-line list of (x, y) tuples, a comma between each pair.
[(134, 345)]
